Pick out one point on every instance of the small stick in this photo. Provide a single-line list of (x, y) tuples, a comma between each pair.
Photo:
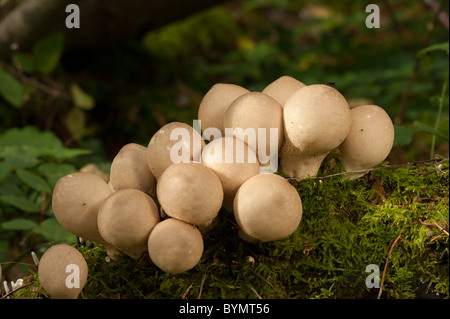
[(268, 282), (377, 168), (15, 290), (254, 290), (202, 283), (187, 290), (385, 266), (42, 207)]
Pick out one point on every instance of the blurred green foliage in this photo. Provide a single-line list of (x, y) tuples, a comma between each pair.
[(141, 85), (31, 163)]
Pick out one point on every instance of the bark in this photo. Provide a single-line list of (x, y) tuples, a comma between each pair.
[(102, 23)]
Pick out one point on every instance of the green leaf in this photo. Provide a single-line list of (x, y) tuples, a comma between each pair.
[(81, 98), (52, 230), (422, 127), (435, 47), (19, 224), (24, 61), (403, 135), (53, 171), (20, 202), (5, 169), (22, 147), (48, 51), (11, 89), (33, 180), (66, 153), (76, 121)]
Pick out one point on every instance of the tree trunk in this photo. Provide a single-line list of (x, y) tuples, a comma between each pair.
[(102, 23)]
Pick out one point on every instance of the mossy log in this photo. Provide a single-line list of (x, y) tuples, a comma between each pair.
[(394, 219)]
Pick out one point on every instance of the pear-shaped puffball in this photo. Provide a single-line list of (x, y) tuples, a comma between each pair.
[(267, 208), (215, 103), (126, 219), (63, 271), (173, 143), (233, 161), (190, 192), (129, 169), (316, 119), (175, 246), (282, 88), (369, 141), (257, 119), (76, 200)]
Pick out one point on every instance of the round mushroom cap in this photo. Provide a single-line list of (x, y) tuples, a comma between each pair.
[(255, 111), (370, 139), (216, 102), (282, 88), (233, 162), (129, 169), (76, 201), (185, 141), (126, 219), (175, 246), (190, 192), (63, 271), (317, 118), (267, 207)]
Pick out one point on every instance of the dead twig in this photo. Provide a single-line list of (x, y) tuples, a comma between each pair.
[(254, 290), (268, 282), (445, 220), (16, 290), (44, 88), (187, 290), (437, 224), (202, 283), (378, 168), (386, 264)]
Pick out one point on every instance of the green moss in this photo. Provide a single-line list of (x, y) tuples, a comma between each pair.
[(346, 226)]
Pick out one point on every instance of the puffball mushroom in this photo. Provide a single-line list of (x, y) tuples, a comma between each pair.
[(76, 201), (170, 141), (63, 271), (282, 88), (267, 208), (369, 141), (316, 120), (233, 161), (216, 102), (175, 246), (125, 220), (129, 169), (258, 112), (190, 192)]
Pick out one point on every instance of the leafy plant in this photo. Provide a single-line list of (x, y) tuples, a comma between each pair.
[(404, 134), (18, 89), (31, 162)]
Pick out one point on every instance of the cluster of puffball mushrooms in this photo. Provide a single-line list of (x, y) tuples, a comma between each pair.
[(155, 209)]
